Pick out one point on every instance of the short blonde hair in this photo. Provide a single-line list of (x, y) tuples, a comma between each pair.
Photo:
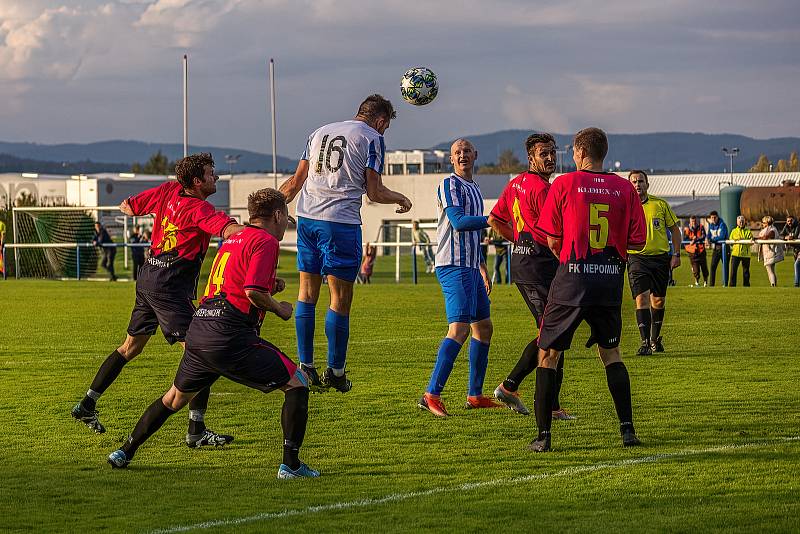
[(767, 220)]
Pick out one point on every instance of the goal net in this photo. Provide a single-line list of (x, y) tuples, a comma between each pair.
[(56, 242)]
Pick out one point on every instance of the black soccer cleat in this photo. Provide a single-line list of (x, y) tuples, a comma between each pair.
[(208, 438), (339, 383), (629, 438), (314, 383), (645, 349), (657, 344), (540, 444), (88, 418)]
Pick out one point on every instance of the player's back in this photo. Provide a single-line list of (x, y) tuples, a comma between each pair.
[(598, 216), (246, 260), (338, 155)]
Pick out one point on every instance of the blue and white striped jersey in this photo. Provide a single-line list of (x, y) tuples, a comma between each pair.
[(338, 155), (460, 249)]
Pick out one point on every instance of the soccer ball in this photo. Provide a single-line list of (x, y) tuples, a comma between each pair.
[(419, 86)]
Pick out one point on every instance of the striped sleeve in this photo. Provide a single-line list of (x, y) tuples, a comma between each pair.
[(307, 149), (376, 155), (451, 194)]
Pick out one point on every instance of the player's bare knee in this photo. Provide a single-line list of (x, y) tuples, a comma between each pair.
[(609, 356), (458, 332), (643, 300), (132, 346), (549, 358), (482, 330), (657, 302), (175, 399)]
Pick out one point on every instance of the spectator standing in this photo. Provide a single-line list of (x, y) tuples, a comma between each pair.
[(770, 254), (101, 238), (695, 234), (717, 234), (740, 254), (500, 255), (137, 253), (367, 263), (2, 247), (420, 237), (791, 232)]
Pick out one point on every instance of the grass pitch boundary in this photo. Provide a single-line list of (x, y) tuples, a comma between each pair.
[(397, 497)]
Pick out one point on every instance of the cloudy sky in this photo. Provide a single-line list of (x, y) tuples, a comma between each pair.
[(94, 70)]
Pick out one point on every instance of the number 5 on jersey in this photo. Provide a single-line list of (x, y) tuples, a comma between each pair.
[(598, 226), (217, 277)]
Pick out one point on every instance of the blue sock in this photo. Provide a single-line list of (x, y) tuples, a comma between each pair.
[(304, 317), (478, 362), (448, 351), (337, 329)]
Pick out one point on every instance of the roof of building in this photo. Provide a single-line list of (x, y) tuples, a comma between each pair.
[(707, 185), (700, 207)]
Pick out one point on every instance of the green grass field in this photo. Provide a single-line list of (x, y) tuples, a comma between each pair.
[(719, 415)]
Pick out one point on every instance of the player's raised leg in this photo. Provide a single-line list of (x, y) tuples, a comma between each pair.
[(86, 410)]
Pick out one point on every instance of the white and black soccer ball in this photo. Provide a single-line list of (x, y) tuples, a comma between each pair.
[(419, 86)]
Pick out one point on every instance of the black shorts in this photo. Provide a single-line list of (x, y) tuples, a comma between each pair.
[(260, 365), (172, 313), (560, 322), (648, 273), (535, 296)]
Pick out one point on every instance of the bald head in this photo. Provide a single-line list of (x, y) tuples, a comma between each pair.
[(462, 156)]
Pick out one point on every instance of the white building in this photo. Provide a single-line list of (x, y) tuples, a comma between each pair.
[(417, 162)]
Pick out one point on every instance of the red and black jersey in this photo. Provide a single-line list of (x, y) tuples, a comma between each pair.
[(520, 205), (598, 216), (182, 229), (246, 260)]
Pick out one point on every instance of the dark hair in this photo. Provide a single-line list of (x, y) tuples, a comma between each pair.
[(536, 138), (191, 167), (713, 212), (593, 141), (376, 106), (262, 204), (639, 171)]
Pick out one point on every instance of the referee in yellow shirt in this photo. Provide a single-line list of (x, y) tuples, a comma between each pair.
[(649, 268)]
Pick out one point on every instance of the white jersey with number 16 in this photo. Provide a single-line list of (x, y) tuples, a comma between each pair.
[(338, 155)]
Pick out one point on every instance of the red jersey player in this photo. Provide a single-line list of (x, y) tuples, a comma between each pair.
[(533, 265), (223, 339), (592, 219), (167, 282)]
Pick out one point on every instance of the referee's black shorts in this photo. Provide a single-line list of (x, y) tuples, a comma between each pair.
[(648, 273), (560, 322)]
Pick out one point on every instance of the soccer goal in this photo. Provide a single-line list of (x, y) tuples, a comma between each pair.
[(56, 241)]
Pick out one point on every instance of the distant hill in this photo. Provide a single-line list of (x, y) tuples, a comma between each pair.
[(116, 156), (673, 151), (14, 164)]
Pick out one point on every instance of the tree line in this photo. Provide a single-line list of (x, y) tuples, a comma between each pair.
[(765, 165)]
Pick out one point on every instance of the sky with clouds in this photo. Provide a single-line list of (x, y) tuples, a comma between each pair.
[(80, 71)]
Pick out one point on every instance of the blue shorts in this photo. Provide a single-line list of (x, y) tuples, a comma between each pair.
[(325, 247), (465, 298)]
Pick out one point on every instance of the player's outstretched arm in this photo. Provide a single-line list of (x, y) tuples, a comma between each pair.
[(379, 193), (502, 228), (265, 302), (293, 185)]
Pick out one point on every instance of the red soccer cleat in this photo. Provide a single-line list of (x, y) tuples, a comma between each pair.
[(481, 401), (434, 404)]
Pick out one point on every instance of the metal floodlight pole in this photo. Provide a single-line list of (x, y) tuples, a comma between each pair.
[(272, 113), (185, 105), (731, 153)]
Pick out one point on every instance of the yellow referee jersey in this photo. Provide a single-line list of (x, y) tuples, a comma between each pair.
[(658, 217)]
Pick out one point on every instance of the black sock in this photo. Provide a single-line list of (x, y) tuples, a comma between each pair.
[(199, 403), (559, 380), (644, 321), (525, 366), (619, 384), (543, 398), (658, 320), (108, 372), (152, 419), (294, 418)]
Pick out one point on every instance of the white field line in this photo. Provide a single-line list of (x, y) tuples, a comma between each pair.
[(397, 497)]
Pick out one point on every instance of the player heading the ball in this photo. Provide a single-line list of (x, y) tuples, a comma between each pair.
[(341, 162)]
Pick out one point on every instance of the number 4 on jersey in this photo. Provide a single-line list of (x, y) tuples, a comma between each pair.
[(217, 277), (598, 226)]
